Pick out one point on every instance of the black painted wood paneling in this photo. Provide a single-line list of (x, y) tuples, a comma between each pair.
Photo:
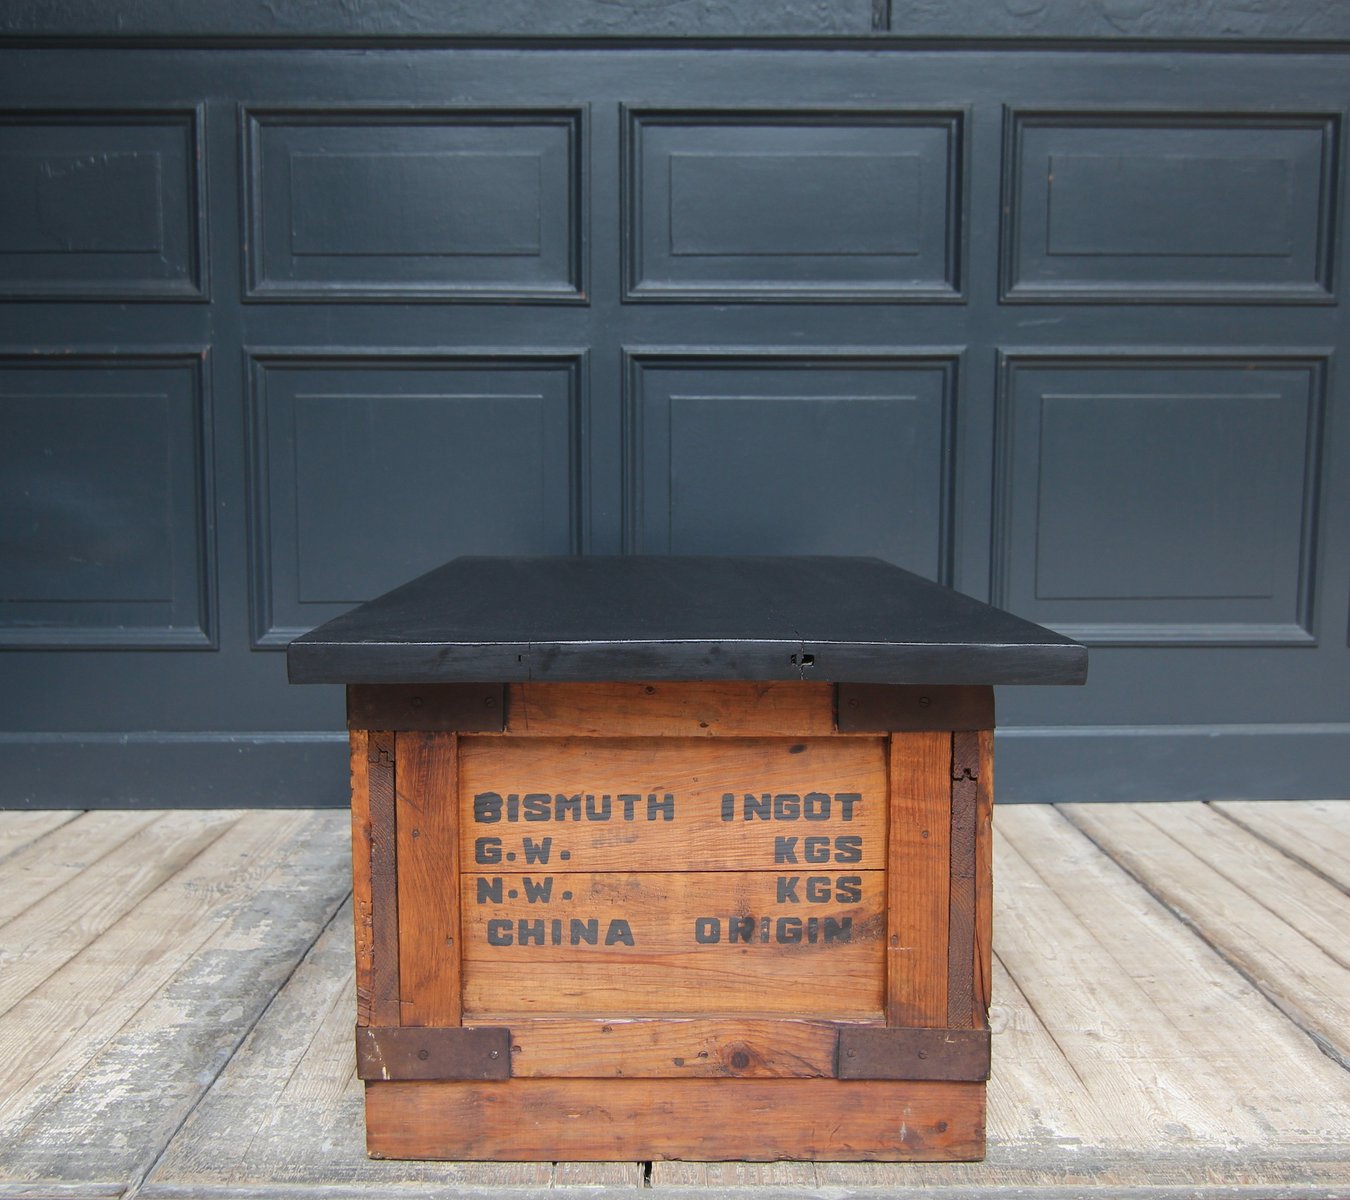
[(285, 325)]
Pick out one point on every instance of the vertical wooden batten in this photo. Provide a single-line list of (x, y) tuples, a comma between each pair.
[(918, 870), (428, 879), (384, 1000), (961, 922), (362, 909)]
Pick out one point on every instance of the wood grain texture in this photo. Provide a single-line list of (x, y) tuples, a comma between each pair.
[(21, 829), (106, 1059), (757, 954), (709, 1178), (1300, 897), (1315, 832), (285, 1116), (1307, 982), (961, 940), (428, 879), (816, 788), (61, 926), (691, 1047), (731, 708), (362, 908), (984, 881), (35, 871), (919, 858), (381, 785), (1180, 1050), (692, 1118)]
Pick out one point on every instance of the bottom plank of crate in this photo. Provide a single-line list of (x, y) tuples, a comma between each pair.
[(698, 1119)]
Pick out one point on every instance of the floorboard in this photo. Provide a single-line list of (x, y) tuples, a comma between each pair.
[(176, 1008), (105, 1058), (21, 829), (1313, 832), (1296, 974)]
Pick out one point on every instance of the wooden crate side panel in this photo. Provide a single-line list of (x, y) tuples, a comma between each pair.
[(643, 943), (362, 919), (918, 879), (427, 823), (707, 709), (697, 1047), (588, 804), (706, 1119)]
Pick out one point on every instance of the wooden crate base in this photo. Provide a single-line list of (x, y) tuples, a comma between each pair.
[(697, 1119)]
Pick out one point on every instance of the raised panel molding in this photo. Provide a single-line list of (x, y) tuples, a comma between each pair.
[(461, 204), (1137, 206), (784, 451), (1166, 498), (102, 205), (368, 467), (106, 481), (790, 204)]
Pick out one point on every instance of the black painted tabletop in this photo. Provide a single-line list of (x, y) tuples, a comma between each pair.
[(856, 620)]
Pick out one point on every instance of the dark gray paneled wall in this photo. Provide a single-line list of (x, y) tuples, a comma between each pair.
[(285, 327)]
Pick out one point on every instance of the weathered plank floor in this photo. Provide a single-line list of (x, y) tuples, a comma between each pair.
[(1172, 1016)]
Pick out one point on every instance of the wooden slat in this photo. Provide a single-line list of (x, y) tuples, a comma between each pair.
[(50, 933), (693, 1047), (384, 1006), (918, 878), (1213, 1062), (1316, 832), (428, 879), (961, 941), (1318, 909), (33, 872), (1101, 1014), (286, 1114), (595, 1175), (1306, 982), (826, 962), (104, 1062), (754, 1119), (710, 1178), (623, 821), (705, 709), (362, 909), (21, 829)]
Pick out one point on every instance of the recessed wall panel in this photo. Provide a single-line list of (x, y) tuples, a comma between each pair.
[(100, 206), (103, 511), (463, 204), (1160, 501), (370, 471), (793, 205), (1170, 206), (807, 456)]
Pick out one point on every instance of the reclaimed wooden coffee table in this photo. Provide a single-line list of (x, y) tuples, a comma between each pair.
[(662, 857)]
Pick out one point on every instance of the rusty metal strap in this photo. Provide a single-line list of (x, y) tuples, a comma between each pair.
[(906, 708), (391, 1053), (872, 1052)]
